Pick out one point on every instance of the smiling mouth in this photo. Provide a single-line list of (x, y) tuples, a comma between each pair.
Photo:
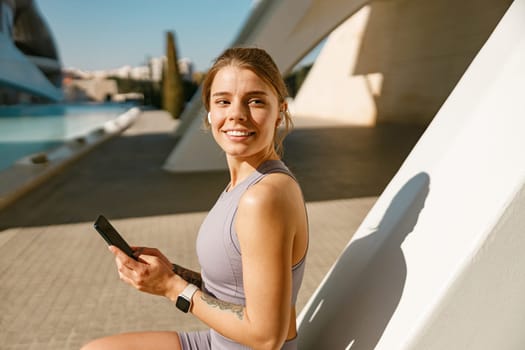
[(239, 133)]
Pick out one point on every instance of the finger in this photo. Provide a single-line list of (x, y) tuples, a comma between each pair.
[(131, 275), (115, 250), (119, 253), (148, 251), (123, 259), (124, 277), (137, 251), (152, 260), (152, 252), (157, 266)]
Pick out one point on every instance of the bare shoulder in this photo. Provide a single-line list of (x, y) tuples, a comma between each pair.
[(273, 208), (274, 205), (273, 190)]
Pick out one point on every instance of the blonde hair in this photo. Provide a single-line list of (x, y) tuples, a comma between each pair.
[(262, 64)]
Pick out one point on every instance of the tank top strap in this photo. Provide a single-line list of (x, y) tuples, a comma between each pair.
[(269, 167)]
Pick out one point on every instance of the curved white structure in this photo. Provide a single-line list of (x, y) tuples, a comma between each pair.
[(18, 72), (438, 262), (331, 90), (387, 62), (288, 30), (29, 62)]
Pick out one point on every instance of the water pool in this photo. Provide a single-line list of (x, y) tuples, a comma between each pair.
[(25, 130)]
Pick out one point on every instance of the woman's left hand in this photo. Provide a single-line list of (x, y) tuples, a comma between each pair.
[(152, 273)]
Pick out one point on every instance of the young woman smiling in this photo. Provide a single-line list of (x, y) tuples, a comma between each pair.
[(252, 245)]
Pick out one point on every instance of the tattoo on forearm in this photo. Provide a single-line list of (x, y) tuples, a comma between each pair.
[(188, 275), (223, 305)]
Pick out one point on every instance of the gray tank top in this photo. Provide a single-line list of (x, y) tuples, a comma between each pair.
[(218, 247)]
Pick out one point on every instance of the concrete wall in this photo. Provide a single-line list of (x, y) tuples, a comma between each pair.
[(438, 262), (288, 30), (397, 61), (331, 90), (92, 89)]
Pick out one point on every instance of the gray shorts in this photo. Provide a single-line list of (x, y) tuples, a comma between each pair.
[(209, 339)]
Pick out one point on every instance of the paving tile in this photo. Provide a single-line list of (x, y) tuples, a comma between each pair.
[(58, 284)]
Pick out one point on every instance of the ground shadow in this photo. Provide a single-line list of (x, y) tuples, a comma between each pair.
[(362, 291), (348, 162), (124, 177), (121, 178)]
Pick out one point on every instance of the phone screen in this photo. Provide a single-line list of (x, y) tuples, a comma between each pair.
[(111, 236)]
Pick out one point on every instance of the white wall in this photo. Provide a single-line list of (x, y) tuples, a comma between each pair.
[(331, 90), (288, 30), (396, 61), (438, 262)]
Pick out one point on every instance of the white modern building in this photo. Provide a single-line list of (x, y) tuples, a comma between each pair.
[(30, 68)]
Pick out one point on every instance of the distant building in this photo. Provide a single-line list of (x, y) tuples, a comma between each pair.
[(97, 89), (186, 69), (156, 65), (30, 68), (152, 71)]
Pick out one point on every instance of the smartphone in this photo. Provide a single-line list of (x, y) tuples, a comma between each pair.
[(111, 236)]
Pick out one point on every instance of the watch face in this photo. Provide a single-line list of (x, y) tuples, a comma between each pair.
[(182, 304)]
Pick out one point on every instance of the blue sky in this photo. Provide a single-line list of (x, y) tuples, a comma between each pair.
[(105, 34)]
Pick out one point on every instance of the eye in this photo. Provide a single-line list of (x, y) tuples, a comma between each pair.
[(222, 101), (256, 102)]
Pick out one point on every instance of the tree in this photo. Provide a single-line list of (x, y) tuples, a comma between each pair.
[(173, 91), (295, 79)]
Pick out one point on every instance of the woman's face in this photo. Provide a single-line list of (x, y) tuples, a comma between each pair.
[(244, 113)]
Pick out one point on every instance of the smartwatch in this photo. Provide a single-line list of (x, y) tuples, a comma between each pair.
[(184, 299)]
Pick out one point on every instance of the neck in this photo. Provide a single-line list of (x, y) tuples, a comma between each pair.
[(241, 168)]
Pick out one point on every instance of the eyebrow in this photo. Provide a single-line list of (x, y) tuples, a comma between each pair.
[(251, 93)]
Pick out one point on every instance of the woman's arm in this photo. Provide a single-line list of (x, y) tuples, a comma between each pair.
[(188, 275), (151, 260), (266, 223)]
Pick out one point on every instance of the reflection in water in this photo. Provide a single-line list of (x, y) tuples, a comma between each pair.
[(30, 129)]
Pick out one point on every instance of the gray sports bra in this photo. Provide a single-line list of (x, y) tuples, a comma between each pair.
[(218, 247)]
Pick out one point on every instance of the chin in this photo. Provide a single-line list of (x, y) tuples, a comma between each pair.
[(240, 155)]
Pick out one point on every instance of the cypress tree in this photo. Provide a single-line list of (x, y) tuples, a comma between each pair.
[(173, 93)]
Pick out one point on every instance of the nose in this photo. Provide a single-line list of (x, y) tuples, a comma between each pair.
[(237, 111)]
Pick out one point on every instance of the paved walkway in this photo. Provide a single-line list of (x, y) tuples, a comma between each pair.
[(58, 284)]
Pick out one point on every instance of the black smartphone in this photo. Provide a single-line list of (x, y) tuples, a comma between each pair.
[(111, 236)]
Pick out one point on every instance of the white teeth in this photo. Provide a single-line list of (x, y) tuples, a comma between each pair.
[(238, 133)]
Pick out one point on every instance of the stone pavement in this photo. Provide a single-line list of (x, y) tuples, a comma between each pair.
[(58, 283)]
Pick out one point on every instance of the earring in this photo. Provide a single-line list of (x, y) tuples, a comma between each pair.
[(209, 117), (283, 117)]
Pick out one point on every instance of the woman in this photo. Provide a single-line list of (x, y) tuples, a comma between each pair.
[(253, 243)]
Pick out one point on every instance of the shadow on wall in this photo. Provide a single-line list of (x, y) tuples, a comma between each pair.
[(422, 49), (363, 289)]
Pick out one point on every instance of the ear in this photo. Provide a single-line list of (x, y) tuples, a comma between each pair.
[(281, 119), (283, 107), (282, 113)]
